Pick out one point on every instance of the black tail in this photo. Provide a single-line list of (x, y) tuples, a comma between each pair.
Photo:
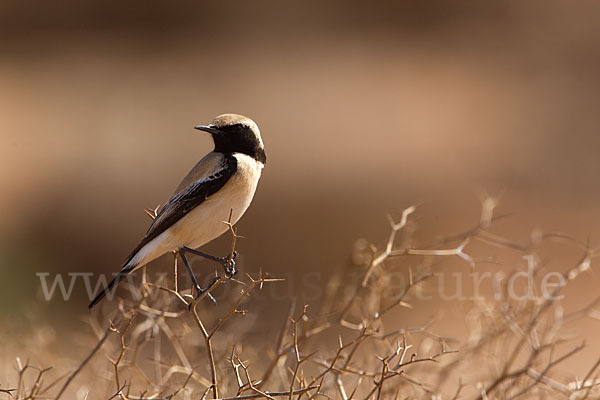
[(115, 281)]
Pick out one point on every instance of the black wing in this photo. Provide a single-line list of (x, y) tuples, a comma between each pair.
[(186, 200), (175, 209)]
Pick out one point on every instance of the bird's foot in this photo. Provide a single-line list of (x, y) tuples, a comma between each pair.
[(200, 293), (229, 265)]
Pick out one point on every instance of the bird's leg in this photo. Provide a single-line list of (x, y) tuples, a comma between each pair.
[(228, 265), (199, 290)]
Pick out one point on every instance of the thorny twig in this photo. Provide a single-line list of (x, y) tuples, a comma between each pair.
[(521, 337)]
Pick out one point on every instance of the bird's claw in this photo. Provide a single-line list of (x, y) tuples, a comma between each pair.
[(230, 269), (229, 265), (200, 292)]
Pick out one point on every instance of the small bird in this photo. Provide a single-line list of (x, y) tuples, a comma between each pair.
[(219, 188)]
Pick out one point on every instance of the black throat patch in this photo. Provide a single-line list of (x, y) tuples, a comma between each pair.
[(239, 138)]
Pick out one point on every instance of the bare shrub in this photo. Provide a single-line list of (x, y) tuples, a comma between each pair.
[(163, 345)]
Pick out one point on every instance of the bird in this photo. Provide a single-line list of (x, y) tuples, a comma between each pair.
[(220, 187)]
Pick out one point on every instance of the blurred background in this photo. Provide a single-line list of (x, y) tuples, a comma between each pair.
[(365, 109)]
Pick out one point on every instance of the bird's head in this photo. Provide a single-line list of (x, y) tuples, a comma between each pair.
[(233, 133)]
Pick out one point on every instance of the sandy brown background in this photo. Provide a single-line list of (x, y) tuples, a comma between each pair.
[(364, 108)]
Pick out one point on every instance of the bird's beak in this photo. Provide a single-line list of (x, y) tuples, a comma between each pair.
[(208, 128)]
